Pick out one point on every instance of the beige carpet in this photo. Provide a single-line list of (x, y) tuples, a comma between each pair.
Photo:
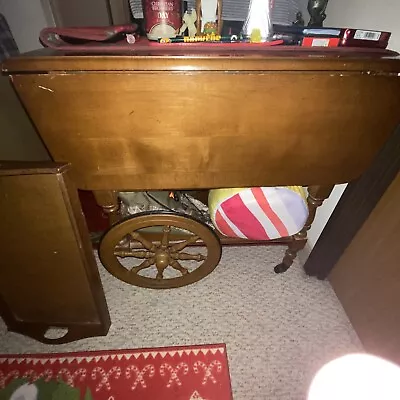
[(279, 329)]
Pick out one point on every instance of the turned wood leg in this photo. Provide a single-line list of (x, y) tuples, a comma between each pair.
[(109, 202), (316, 196), (294, 247)]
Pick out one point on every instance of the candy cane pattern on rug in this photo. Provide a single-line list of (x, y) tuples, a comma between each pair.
[(32, 376), (208, 369), (105, 376), (196, 396), (174, 373), (139, 374), (4, 378), (70, 378)]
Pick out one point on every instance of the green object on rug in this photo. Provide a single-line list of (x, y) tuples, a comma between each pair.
[(46, 389), (88, 394), (65, 392), (6, 393), (51, 390)]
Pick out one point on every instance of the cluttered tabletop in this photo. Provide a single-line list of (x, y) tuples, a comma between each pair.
[(169, 28)]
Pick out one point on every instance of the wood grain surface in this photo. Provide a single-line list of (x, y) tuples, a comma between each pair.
[(163, 130), (164, 58), (48, 275)]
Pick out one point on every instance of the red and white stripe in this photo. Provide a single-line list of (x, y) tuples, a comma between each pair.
[(255, 213)]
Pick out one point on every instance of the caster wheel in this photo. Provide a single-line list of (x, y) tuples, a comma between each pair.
[(162, 250), (280, 268)]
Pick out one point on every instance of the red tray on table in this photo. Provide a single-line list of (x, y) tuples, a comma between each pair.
[(114, 39)]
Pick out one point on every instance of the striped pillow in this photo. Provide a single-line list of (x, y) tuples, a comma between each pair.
[(259, 213)]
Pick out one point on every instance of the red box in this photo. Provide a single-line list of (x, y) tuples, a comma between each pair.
[(365, 38), (310, 41)]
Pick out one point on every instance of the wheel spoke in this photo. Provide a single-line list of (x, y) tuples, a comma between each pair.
[(181, 245), (160, 275), (165, 237), (125, 240), (176, 265), (136, 254), (122, 253), (145, 264), (187, 256), (146, 244), (142, 254)]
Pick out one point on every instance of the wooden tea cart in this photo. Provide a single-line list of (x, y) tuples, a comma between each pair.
[(162, 118)]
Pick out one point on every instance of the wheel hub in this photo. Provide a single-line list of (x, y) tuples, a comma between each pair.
[(161, 254), (162, 258)]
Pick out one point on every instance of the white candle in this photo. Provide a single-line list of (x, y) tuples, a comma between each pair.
[(258, 18), (208, 11)]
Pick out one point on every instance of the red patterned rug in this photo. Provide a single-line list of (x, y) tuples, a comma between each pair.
[(170, 373)]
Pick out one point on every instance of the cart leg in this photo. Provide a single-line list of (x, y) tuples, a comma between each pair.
[(294, 247), (108, 201), (316, 196)]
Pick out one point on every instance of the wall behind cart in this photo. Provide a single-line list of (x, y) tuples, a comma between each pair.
[(26, 18), (18, 139)]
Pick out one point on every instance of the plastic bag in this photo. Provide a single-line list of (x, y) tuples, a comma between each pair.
[(180, 202)]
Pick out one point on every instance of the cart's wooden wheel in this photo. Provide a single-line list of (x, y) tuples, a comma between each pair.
[(160, 260)]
